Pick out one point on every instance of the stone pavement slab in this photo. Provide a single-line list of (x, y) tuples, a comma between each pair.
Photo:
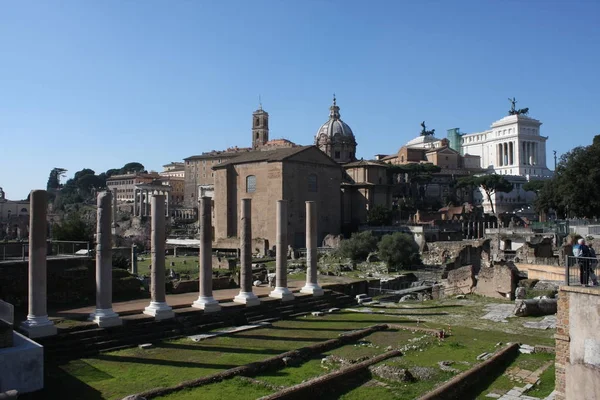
[(498, 312), (548, 322)]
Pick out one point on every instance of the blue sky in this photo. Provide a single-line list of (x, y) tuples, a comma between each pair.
[(90, 84)]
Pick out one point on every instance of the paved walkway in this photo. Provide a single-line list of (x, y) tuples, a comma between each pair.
[(181, 300), (174, 300)]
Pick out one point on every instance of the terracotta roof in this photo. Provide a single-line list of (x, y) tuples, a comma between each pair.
[(233, 152), (274, 155), (359, 163)]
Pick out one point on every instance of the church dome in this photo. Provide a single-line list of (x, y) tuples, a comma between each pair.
[(334, 128), (335, 138)]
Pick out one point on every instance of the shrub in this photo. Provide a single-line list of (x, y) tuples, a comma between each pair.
[(119, 261), (399, 251), (358, 247)]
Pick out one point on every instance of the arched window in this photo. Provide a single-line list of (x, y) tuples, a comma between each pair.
[(250, 184), (313, 183)]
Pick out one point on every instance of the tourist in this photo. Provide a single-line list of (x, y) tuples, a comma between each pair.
[(582, 253), (593, 264)]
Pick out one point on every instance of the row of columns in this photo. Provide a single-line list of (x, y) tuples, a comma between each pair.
[(142, 201), (506, 153), (184, 213), (38, 324), (530, 151)]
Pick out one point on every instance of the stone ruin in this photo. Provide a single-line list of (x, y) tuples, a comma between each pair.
[(498, 281)]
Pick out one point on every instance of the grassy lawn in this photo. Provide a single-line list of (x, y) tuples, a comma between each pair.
[(117, 374), (530, 362)]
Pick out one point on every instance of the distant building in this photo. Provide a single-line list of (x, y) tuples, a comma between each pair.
[(12, 208), (126, 183), (296, 174), (199, 176), (513, 146)]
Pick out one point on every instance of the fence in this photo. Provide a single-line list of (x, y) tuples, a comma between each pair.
[(581, 271), (14, 251)]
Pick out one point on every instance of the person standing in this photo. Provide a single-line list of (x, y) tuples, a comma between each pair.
[(592, 265), (582, 253)]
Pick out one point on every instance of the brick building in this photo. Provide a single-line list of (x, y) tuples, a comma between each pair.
[(296, 174)]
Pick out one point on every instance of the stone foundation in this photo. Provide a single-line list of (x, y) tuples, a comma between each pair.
[(577, 343)]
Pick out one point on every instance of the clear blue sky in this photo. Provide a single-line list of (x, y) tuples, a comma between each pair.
[(98, 84)]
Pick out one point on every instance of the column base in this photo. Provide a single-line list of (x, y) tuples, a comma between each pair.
[(159, 310), (207, 303), (105, 318), (282, 293), (247, 298), (312, 288), (36, 327)]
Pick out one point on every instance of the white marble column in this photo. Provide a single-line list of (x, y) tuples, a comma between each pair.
[(135, 203), (104, 315), (246, 296), (134, 265), (37, 323), (281, 290), (499, 150), (206, 301), (311, 285), (158, 307), (141, 192)]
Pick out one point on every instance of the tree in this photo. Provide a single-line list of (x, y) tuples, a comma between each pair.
[(493, 184), (54, 178), (490, 184), (399, 251), (358, 247), (379, 216), (73, 228), (132, 167), (534, 186)]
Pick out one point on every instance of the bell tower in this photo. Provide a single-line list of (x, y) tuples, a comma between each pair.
[(260, 128)]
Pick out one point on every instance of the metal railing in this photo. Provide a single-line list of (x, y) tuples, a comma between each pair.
[(581, 271), (19, 251)]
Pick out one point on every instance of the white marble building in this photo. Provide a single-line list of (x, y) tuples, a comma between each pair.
[(513, 146)]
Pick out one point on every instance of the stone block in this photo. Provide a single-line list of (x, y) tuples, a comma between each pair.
[(460, 281), (499, 281), (22, 366)]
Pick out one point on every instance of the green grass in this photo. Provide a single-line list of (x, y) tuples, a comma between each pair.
[(232, 389), (117, 374), (546, 386), (530, 362)]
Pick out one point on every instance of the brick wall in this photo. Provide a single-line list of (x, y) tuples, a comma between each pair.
[(562, 343), (578, 343)]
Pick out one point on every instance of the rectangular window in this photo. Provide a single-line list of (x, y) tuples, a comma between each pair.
[(250, 184)]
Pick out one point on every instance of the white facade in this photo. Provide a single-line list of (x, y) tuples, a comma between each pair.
[(513, 146)]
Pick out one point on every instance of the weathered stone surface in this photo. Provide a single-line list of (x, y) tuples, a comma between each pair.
[(332, 241), (499, 281), (532, 307), (520, 293), (455, 254), (185, 286), (393, 374), (549, 322), (460, 281), (498, 312)]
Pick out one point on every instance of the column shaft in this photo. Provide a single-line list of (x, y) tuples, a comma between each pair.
[(311, 285), (135, 202), (114, 208), (37, 323), (281, 290), (206, 300), (246, 296), (158, 307), (104, 315)]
